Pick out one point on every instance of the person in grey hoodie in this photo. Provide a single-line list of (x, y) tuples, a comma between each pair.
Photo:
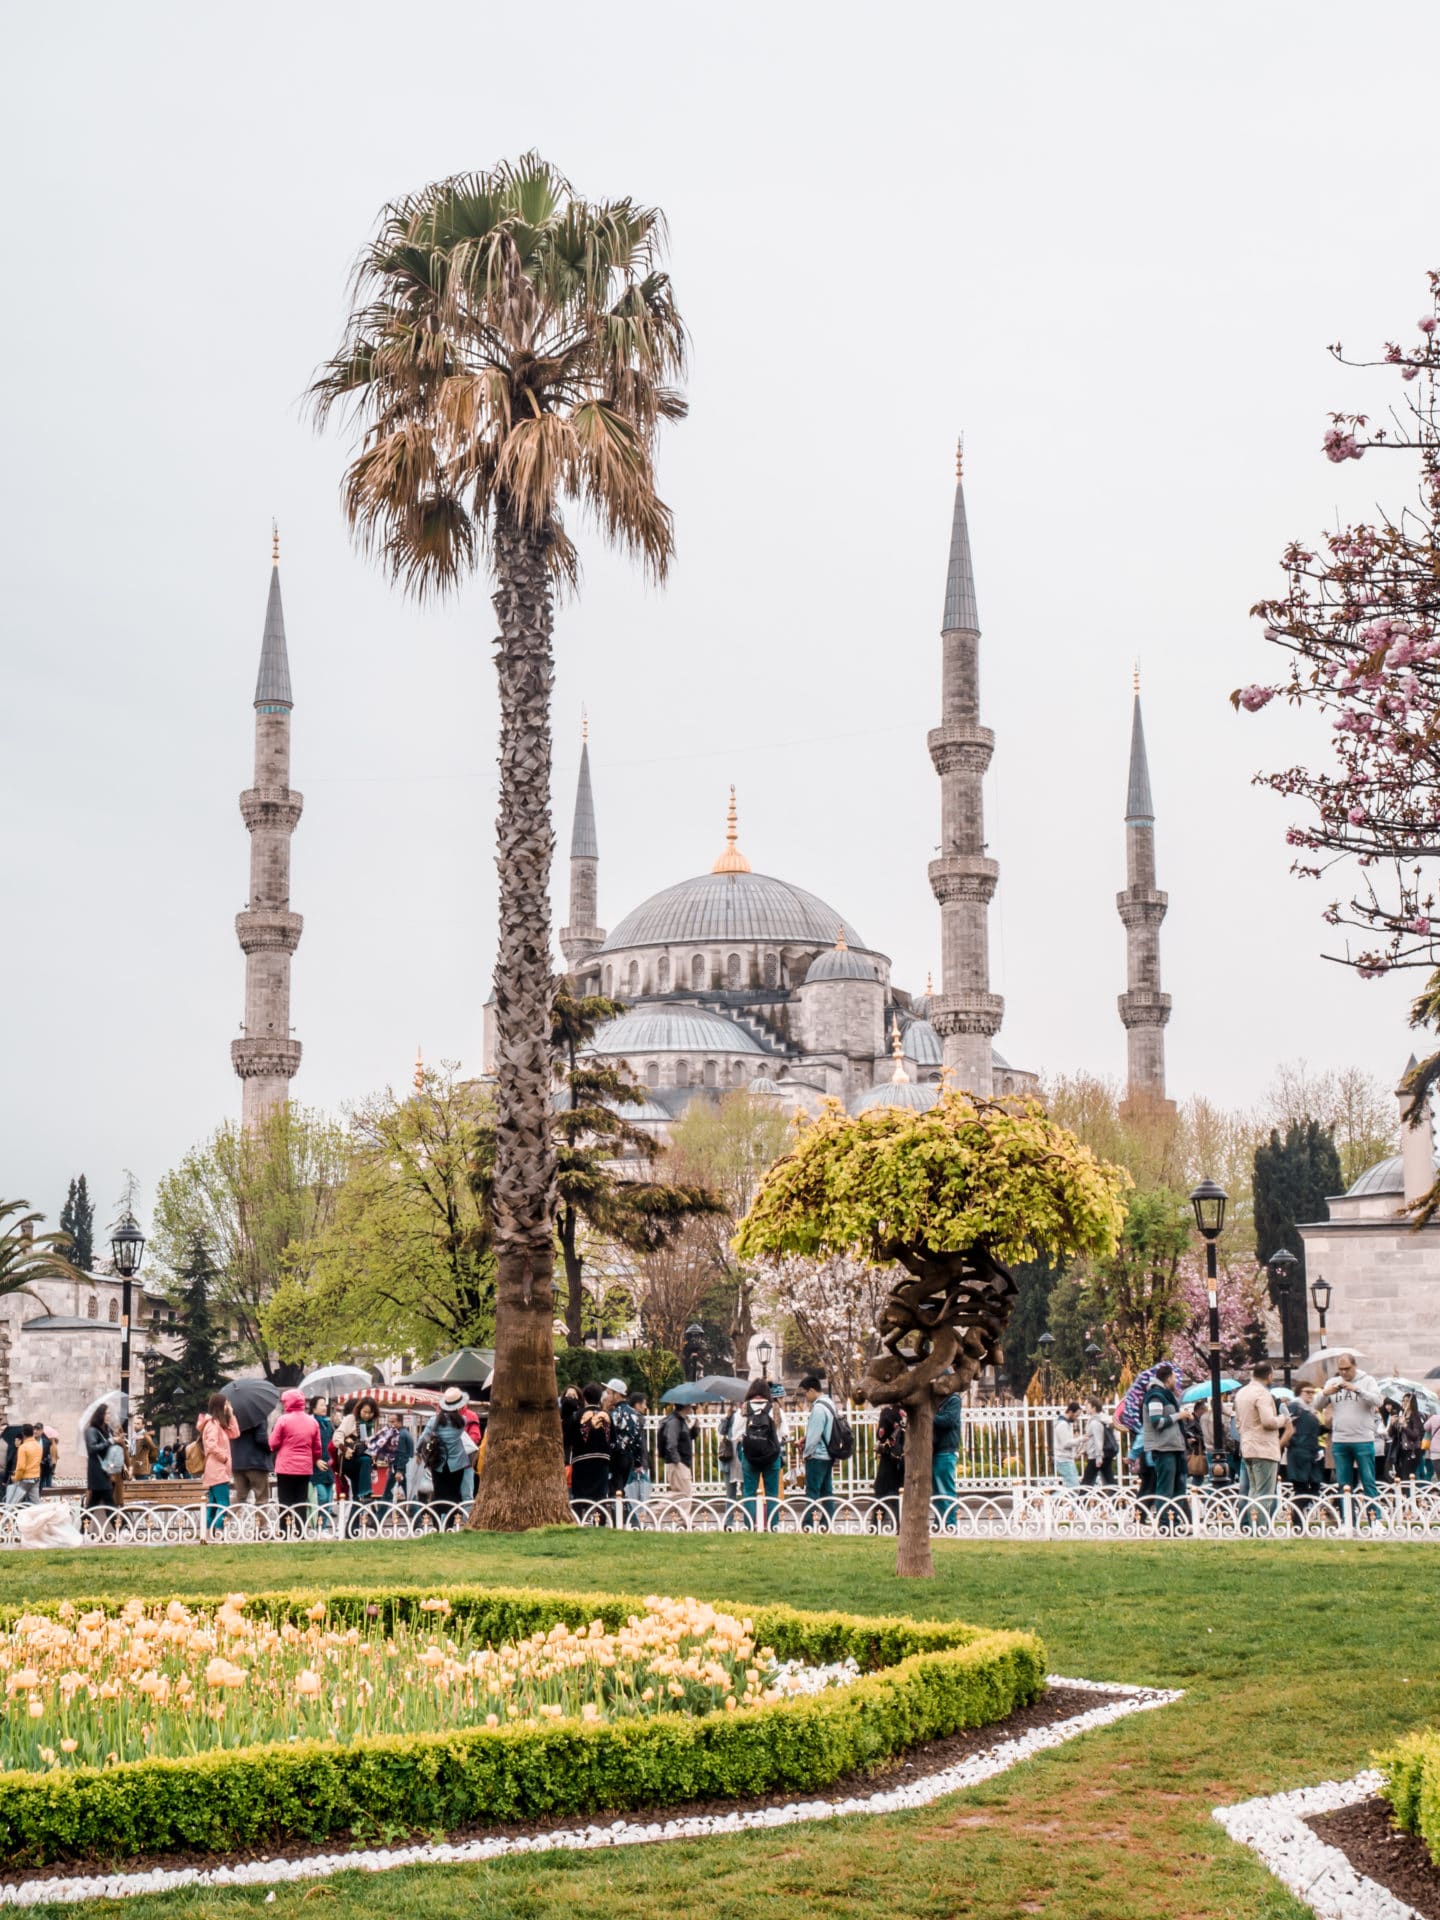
[(1164, 1441), (1353, 1398)]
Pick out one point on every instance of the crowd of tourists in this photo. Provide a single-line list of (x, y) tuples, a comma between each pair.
[(1345, 1436)]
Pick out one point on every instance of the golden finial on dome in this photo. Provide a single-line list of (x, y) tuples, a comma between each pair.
[(899, 1077), (840, 946), (731, 860), (274, 543), (929, 984)]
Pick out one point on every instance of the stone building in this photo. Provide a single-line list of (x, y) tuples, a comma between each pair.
[(1383, 1274), (734, 978)]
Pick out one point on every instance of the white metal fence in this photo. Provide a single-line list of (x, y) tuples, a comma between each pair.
[(1030, 1513)]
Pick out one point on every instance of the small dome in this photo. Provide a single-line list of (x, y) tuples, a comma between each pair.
[(922, 1044), (896, 1093), (766, 1088), (1386, 1176), (841, 964), (673, 1030)]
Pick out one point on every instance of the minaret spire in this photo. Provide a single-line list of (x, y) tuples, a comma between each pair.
[(1144, 1009), (965, 1013), (266, 1058), (582, 936)]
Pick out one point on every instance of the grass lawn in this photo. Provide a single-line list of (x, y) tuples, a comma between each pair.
[(1297, 1659)]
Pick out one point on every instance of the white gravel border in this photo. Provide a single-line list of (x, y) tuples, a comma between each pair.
[(1316, 1873), (620, 1833)]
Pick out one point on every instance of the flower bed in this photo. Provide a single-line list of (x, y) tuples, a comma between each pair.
[(1410, 1781), (434, 1711)]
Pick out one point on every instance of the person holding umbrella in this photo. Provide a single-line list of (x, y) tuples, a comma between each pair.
[(252, 1401), (677, 1456)]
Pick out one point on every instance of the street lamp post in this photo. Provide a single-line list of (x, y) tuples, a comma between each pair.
[(763, 1351), (127, 1245), (1209, 1200), (695, 1349), (1320, 1293), (1092, 1354), (1281, 1269), (1045, 1343)]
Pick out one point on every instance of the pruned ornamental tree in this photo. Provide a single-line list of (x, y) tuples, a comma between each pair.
[(949, 1196), (509, 357), (1360, 619)]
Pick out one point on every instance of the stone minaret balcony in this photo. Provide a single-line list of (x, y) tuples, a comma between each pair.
[(268, 930)]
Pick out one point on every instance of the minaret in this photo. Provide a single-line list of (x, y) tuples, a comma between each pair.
[(964, 1013), (1144, 1009), (582, 936), (266, 1058)]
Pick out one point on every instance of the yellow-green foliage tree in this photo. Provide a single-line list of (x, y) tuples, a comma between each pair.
[(951, 1197)]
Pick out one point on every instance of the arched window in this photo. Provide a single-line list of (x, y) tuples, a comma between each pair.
[(652, 1073), (609, 983), (662, 974), (114, 1310), (772, 970), (682, 1073), (634, 977), (737, 1073), (732, 971), (697, 972), (94, 1308), (710, 1073)]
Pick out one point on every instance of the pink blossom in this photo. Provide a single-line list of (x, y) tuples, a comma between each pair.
[(1356, 816), (1426, 323), (1339, 445), (1419, 924), (1253, 698)]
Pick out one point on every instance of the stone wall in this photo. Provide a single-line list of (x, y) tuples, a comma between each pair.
[(1385, 1298)]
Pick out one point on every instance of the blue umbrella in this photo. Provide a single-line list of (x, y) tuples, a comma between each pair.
[(1201, 1390), (714, 1386)]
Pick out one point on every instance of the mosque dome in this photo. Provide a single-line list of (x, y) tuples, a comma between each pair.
[(1386, 1176), (922, 1044), (673, 1030), (839, 963), (730, 906), (766, 1088)]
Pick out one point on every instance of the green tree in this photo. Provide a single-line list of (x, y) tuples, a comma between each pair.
[(406, 1263), (252, 1195), (603, 1161), (512, 347), (27, 1256), (178, 1385), (950, 1195), (1293, 1178), (727, 1147), (1356, 1109), (77, 1223)]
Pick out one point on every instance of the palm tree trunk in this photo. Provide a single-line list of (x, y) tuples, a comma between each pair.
[(523, 1484), (912, 1552)]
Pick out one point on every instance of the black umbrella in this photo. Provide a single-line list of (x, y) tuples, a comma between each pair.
[(468, 1367), (251, 1401), (721, 1386)]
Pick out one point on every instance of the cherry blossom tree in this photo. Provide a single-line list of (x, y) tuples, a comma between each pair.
[(1241, 1294), (833, 1304)]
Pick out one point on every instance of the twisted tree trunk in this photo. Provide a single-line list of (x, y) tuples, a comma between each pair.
[(523, 1484)]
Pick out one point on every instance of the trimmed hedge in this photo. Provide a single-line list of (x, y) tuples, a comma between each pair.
[(921, 1682), (1411, 1783)]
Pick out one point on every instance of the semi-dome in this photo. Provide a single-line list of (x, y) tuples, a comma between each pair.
[(673, 1030), (839, 963), (896, 1093), (730, 906), (1386, 1176)]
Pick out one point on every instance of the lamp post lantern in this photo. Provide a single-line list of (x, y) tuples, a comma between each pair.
[(1209, 1200), (127, 1246), (1320, 1291), (1281, 1269), (1045, 1343), (763, 1351)]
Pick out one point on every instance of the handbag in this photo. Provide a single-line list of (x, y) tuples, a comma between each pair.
[(112, 1461), (1195, 1465), (468, 1446)]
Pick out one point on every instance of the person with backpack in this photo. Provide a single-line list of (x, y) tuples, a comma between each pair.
[(1102, 1449), (629, 1456), (443, 1452), (590, 1462), (824, 1444), (758, 1433), (216, 1429)]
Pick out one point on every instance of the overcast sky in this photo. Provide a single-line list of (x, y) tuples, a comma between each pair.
[(1110, 243)]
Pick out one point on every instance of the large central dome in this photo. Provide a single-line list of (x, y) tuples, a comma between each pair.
[(731, 906)]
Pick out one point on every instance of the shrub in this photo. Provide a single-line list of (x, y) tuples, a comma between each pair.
[(920, 1682), (1411, 1783)]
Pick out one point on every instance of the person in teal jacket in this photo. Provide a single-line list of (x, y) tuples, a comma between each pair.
[(946, 1458)]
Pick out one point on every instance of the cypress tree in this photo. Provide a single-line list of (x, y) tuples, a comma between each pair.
[(1293, 1179), (82, 1232), (178, 1385)]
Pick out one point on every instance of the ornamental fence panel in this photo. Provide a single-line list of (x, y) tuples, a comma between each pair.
[(1022, 1512)]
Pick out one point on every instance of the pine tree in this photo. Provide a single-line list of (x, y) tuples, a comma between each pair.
[(82, 1231), (177, 1386), (1293, 1179), (67, 1218)]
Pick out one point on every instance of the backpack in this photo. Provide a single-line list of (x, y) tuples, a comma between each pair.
[(1109, 1446), (840, 1441), (431, 1453), (760, 1444), (195, 1457)]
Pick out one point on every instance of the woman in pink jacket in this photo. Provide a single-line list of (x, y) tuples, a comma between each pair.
[(295, 1443), (217, 1429)]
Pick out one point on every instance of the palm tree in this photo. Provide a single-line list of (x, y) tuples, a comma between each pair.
[(27, 1256), (512, 347)]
